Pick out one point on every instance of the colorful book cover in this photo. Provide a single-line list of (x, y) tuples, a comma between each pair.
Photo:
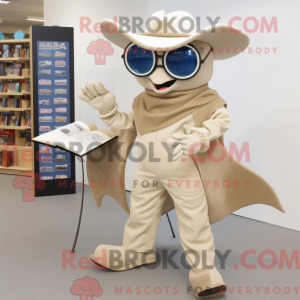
[(6, 53), (2, 71), (16, 53), (13, 121), (5, 87), (23, 52), (12, 87), (2, 120), (11, 103), (10, 72), (4, 102), (16, 103), (25, 88)]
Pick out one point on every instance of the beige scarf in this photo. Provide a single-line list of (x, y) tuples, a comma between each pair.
[(153, 111)]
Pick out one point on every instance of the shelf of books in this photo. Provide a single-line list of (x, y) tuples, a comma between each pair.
[(13, 147), (13, 93), (15, 127), (18, 59), (15, 42), (13, 109), (16, 112), (14, 77)]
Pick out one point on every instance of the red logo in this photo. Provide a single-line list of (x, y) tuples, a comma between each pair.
[(86, 288), (100, 49), (25, 182)]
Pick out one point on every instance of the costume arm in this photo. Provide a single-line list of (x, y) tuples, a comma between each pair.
[(213, 128), (117, 119)]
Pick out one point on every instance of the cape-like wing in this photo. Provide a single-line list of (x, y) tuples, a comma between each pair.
[(105, 168), (228, 184)]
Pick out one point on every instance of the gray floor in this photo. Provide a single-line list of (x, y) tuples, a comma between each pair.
[(34, 234)]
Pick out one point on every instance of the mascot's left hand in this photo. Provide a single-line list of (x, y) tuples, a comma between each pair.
[(185, 145)]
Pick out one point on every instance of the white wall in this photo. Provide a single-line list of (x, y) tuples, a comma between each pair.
[(261, 89)]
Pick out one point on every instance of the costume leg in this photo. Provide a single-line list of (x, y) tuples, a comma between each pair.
[(146, 203), (195, 234)]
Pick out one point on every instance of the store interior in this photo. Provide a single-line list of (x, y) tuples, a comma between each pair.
[(44, 62)]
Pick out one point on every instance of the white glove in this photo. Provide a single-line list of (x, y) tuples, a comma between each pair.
[(98, 97), (185, 145)]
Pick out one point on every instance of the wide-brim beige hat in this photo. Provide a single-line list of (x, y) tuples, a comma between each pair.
[(226, 41)]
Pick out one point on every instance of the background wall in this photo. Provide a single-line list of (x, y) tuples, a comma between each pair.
[(261, 89)]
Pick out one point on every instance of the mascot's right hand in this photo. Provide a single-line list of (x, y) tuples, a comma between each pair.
[(95, 94)]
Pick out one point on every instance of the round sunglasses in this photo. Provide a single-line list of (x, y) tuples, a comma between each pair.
[(181, 63)]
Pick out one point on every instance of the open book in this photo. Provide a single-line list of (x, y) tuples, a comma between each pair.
[(77, 138)]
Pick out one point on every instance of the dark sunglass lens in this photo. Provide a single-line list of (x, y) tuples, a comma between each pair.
[(182, 62), (139, 60)]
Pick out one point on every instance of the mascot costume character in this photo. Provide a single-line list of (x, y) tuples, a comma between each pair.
[(179, 122)]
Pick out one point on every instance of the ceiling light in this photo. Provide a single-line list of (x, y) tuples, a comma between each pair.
[(4, 2), (37, 19)]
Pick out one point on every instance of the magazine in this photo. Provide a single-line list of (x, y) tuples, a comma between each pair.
[(69, 138)]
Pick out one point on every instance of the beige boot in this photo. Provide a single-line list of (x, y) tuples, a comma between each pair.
[(207, 282), (118, 258)]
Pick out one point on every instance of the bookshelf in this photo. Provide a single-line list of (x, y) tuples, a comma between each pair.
[(14, 127), (15, 42), (13, 109), (14, 94), (14, 77), (3, 59), (14, 170), (12, 148), (22, 153)]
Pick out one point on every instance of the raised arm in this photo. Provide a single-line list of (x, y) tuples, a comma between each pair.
[(95, 94)]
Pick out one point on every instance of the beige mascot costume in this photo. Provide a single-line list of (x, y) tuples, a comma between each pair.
[(180, 121)]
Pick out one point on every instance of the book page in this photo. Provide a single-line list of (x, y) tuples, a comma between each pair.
[(84, 143), (61, 134)]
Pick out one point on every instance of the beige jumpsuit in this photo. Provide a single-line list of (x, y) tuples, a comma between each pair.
[(156, 174)]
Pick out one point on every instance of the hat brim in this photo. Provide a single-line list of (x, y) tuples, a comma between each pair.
[(226, 41)]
